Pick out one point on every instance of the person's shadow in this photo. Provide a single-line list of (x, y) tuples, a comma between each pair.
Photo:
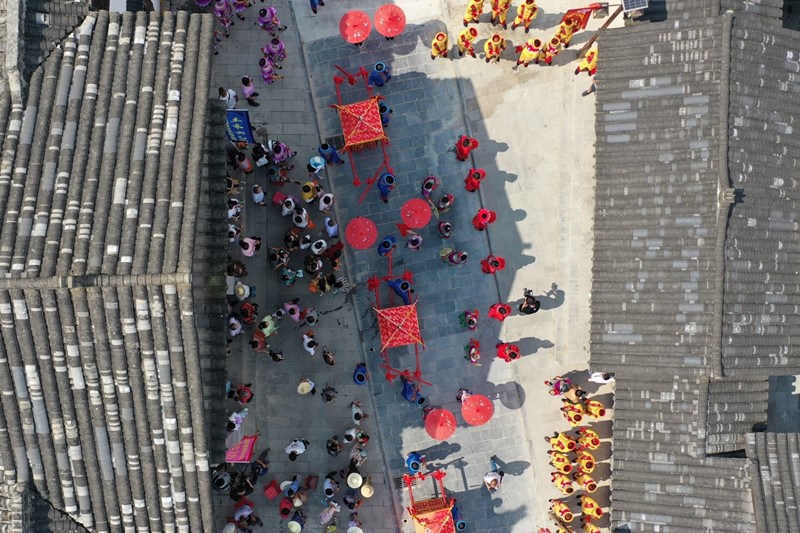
[(552, 298), (514, 468)]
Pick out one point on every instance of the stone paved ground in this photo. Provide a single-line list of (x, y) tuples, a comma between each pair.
[(536, 139)]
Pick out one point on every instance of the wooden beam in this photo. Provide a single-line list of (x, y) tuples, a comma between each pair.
[(594, 37)]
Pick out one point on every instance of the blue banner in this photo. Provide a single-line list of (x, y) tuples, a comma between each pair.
[(237, 126)]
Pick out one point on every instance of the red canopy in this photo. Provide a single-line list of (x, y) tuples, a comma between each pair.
[(477, 409), (399, 326), (361, 124), (440, 424), (390, 20), (354, 26), (361, 233)]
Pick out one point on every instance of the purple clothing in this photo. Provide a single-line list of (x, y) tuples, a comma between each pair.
[(275, 51), (268, 19), (248, 90)]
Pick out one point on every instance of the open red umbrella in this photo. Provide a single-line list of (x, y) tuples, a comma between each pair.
[(355, 26), (361, 233), (390, 20), (416, 213), (477, 410), (440, 423)]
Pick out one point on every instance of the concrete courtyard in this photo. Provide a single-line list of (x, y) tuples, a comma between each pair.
[(536, 134)]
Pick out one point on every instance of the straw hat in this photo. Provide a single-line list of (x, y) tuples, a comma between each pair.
[(303, 388), (355, 530), (286, 484), (229, 528), (297, 502), (294, 527), (367, 491), (242, 290), (354, 480)]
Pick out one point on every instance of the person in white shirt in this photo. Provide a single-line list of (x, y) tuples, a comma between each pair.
[(296, 447), (601, 377), (494, 478), (229, 97)]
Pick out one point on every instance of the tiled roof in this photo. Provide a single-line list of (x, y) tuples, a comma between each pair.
[(107, 274), (761, 328), (695, 288), (656, 212), (776, 494)]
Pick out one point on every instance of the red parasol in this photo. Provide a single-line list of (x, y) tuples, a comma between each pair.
[(440, 424), (355, 26), (477, 410), (416, 213), (361, 233), (390, 20)]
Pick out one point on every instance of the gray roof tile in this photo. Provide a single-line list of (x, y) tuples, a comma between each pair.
[(100, 362)]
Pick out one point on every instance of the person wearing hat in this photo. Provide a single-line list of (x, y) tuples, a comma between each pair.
[(526, 12), (473, 12), (507, 352), (429, 185), (483, 218), (274, 50), (473, 350), (295, 525), (401, 288), (445, 230), (386, 114), (357, 414), (386, 182), (494, 47), (296, 447), (380, 74), (440, 45), (474, 178), (387, 245), (566, 30), (268, 74), (329, 154), (465, 41), (500, 12), (492, 264), (588, 63), (469, 319), (414, 461), (411, 392), (553, 48), (445, 203), (499, 311), (305, 386), (413, 241), (315, 165), (530, 51), (453, 257), (268, 20), (465, 145)]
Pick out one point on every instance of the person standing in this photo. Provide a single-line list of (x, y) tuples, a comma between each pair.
[(473, 12), (465, 41), (500, 12), (507, 352), (483, 218), (440, 45), (229, 97), (329, 154), (357, 414), (464, 145), (494, 48), (386, 183), (526, 13), (530, 51), (494, 478), (474, 178), (249, 91), (314, 4), (296, 447), (530, 305)]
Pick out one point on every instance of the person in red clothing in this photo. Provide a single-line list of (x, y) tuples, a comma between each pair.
[(464, 146), (483, 218), (499, 311), (474, 178), (507, 352), (492, 264), (242, 394), (248, 313)]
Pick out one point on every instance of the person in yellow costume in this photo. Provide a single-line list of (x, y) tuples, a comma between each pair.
[(473, 12), (566, 30), (465, 41), (494, 47), (550, 51), (440, 45), (500, 12), (588, 63), (529, 51), (525, 14)]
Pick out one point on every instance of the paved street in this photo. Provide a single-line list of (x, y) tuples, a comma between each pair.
[(536, 133)]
